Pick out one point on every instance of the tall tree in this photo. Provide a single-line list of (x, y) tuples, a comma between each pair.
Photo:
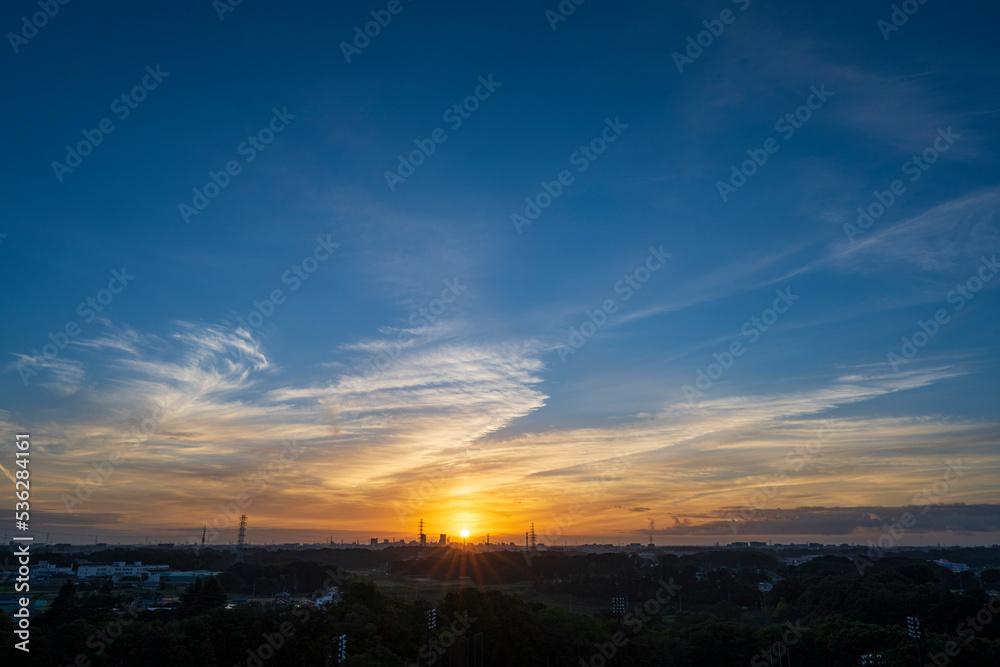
[(65, 607)]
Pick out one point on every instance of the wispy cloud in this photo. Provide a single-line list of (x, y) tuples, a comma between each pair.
[(60, 375), (947, 239)]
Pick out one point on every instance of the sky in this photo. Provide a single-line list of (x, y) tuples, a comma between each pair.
[(701, 271)]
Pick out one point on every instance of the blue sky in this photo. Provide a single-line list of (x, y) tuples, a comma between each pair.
[(489, 414)]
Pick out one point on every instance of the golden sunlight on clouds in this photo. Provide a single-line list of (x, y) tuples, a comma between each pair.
[(410, 444)]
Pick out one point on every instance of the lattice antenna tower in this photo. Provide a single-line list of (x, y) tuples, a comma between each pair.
[(241, 538)]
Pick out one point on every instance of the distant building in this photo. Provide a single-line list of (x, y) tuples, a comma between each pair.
[(443, 540), (954, 567), (122, 571), (186, 577), (45, 570), (374, 542), (331, 595)]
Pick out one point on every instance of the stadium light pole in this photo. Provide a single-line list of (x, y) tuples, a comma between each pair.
[(341, 649), (913, 629), (432, 619), (618, 607)]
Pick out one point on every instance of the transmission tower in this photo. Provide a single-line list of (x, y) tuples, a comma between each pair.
[(423, 536), (241, 538), (532, 536), (203, 531)]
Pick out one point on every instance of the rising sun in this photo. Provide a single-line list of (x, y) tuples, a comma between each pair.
[(464, 533)]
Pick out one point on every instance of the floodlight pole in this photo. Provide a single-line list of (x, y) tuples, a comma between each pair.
[(913, 627), (618, 608), (431, 624)]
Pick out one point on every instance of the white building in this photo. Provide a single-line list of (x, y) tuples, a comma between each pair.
[(119, 570), (44, 570)]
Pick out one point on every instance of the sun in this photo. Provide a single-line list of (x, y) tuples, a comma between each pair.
[(464, 533)]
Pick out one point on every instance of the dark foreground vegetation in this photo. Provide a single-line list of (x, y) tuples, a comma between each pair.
[(704, 609)]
